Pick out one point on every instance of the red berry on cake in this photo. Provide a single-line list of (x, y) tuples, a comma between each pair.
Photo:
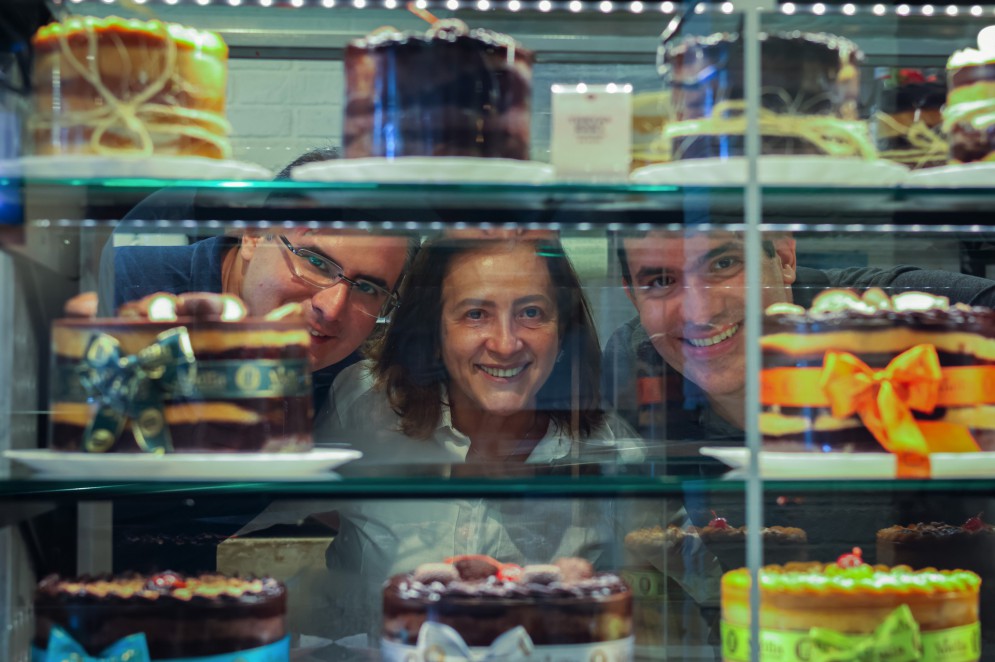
[(851, 560), (510, 572), (718, 522), (974, 523), (167, 580)]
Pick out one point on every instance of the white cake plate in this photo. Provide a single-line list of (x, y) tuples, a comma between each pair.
[(775, 171), (816, 466), (426, 169), (184, 466), (966, 175), (153, 167)]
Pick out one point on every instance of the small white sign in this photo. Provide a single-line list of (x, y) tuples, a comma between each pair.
[(592, 131)]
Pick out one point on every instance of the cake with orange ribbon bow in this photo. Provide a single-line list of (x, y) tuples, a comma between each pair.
[(850, 610), (909, 374), (182, 374), (125, 87)]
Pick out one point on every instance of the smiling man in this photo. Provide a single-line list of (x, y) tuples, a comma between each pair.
[(678, 370)]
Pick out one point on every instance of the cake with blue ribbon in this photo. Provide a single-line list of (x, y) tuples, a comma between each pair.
[(166, 617)]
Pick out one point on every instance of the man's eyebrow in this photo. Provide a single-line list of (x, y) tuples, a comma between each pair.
[(376, 280), (645, 272), (727, 247)]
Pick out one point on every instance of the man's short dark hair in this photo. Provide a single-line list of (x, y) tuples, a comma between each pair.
[(623, 258)]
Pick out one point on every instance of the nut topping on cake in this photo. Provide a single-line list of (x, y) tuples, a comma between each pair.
[(443, 573), (474, 567), (574, 569), (541, 574)]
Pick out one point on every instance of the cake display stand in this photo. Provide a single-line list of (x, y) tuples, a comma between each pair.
[(154, 167), (964, 175), (775, 171), (427, 170)]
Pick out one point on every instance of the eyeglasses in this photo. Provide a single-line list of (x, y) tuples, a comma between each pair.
[(317, 270)]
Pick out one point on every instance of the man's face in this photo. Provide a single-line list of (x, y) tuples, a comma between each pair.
[(690, 292), (337, 321)]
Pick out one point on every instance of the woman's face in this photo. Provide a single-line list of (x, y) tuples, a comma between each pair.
[(499, 329)]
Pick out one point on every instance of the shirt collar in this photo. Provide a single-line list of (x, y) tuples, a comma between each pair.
[(553, 446)]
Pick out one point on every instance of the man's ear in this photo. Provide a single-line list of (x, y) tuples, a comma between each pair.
[(250, 240), (785, 249)]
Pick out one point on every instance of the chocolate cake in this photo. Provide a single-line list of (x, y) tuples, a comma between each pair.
[(188, 385), (969, 116), (180, 616), (907, 122), (809, 93), (450, 92), (125, 87), (842, 375), (563, 604), (969, 546)]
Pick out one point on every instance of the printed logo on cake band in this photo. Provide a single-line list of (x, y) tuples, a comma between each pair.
[(229, 380), (645, 584), (441, 643)]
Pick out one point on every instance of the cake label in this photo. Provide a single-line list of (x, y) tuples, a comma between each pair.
[(62, 647), (441, 643), (645, 584), (896, 640), (592, 130)]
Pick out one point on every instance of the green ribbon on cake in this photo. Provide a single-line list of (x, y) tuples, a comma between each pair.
[(134, 387), (897, 639)]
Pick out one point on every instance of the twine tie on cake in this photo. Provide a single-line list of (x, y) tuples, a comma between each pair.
[(832, 135), (134, 387), (895, 640), (885, 399)]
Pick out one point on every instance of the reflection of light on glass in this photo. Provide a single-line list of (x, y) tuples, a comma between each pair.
[(849, 9), (818, 9), (605, 6), (557, 89), (667, 7), (726, 7), (140, 2), (700, 9), (358, 4), (927, 10), (294, 3), (986, 38), (611, 88), (171, 2), (636, 7), (328, 3), (545, 5), (976, 10), (483, 5), (903, 10), (879, 10), (788, 8), (421, 4), (107, 2), (234, 3), (263, 3), (582, 87), (576, 6), (627, 88), (514, 5), (952, 10), (452, 5), (390, 4)]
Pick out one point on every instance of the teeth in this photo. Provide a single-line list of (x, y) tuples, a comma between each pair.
[(714, 340), (316, 334), (497, 372)]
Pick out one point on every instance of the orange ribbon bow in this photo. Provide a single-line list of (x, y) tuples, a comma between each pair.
[(885, 399)]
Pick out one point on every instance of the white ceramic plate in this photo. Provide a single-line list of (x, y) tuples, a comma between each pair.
[(774, 171), (154, 167), (185, 466), (805, 466), (426, 169), (967, 175)]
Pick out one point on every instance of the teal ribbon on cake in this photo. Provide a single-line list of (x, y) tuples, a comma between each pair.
[(133, 648), (134, 387)]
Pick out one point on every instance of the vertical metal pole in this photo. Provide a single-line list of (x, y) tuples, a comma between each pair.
[(754, 301), (95, 523)]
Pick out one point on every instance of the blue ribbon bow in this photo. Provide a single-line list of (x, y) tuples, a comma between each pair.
[(63, 648), (135, 387)]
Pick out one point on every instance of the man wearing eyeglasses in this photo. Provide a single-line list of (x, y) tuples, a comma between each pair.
[(344, 279)]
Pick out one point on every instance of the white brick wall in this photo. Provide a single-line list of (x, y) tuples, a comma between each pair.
[(280, 108)]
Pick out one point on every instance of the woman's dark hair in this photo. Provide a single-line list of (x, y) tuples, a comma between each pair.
[(408, 359)]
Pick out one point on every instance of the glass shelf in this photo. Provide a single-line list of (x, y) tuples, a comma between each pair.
[(82, 202)]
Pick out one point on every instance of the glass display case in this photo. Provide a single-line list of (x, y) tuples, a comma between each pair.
[(503, 328)]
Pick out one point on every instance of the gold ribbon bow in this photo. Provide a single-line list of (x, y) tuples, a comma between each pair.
[(895, 640), (885, 399)]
